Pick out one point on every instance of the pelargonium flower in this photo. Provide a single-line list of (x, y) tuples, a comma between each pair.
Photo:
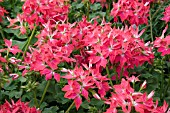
[(125, 97), (2, 12), (81, 82), (13, 49), (166, 17), (9, 48), (97, 45), (100, 44), (134, 11), (163, 43), (38, 12), (18, 107)]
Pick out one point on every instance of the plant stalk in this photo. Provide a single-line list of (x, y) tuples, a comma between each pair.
[(151, 25), (88, 10), (45, 90), (162, 80), (35, 98), (110, 79), (70, 107), (29, 41)]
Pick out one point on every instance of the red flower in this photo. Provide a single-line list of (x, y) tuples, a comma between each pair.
[(125, 97), (2, 12), (135, 11), (13, 49), (18, 107), (73, 92), (163, 44), (166, 17)]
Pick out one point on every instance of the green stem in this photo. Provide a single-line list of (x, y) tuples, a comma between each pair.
[(45, 90), (2, 34), (22, 49), (162, 80), (116, 75), (35, 98), (70, 107), (88, 10), (29, 40), (110, 79), (108, 9), (167, 87), (155, 14), (121, 74), (133, 85), (151, 25), (7, 55), (157, 10)]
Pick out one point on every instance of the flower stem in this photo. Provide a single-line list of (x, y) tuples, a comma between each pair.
[(110, 79), (29, 41), (45, 90), (108, 9), (70, 107), (88, 10), (35, 98), (151, 25), (162, 80), (116, 75), (121, 73), (2, 34), (155, 14), (167, 87)]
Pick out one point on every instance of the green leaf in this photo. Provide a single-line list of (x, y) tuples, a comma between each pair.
[(147, 75), (22, 79), (79, 6), (19, 43), (52, 109), (16, 32)]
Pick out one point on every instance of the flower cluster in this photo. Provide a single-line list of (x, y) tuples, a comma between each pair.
[(81, 81), (10, 49), (166, 17), (18, 107), (39, 12), (2, 12), (163, 43), (134, 11), (97, 44), (127, 99)]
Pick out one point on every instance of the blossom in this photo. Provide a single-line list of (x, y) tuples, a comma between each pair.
[(39, 12), (166, 17), (13, 49), (2, 12), (163, 43), (134, 11), (17, 107), (125, 97)]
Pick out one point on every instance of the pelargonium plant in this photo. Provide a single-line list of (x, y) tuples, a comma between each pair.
[(99, 59)]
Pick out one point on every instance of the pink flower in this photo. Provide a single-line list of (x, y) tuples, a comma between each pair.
[(18, 107), (166, 17), (163, 43), (134, 11), (125, 97), (2, 12), (13, 49)]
